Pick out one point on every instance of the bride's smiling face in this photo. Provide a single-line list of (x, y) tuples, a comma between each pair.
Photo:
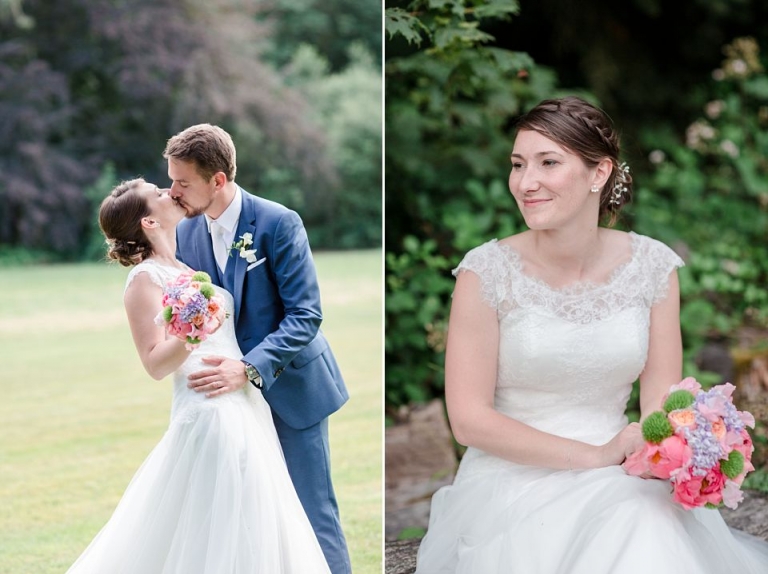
[(551, 184)]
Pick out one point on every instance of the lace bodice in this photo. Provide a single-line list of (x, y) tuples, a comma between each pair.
[(568, 357), (221, 343)]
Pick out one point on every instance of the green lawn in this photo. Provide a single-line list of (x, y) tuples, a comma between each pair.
[(79, 414)]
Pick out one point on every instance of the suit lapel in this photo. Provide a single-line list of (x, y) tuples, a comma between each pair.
[(246, 224)]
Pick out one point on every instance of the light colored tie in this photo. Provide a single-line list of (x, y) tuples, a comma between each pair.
[(219, 248)]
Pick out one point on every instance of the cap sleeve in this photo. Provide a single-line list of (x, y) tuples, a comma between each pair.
[(154, 273), (483, 261), (662, 261)]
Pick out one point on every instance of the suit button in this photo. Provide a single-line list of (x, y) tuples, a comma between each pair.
[(278, 372)]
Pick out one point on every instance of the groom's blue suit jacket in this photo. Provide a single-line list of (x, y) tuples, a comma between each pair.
[(277, 309)]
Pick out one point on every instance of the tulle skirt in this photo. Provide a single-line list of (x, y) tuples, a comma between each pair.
[(213, 497), (514, 519)]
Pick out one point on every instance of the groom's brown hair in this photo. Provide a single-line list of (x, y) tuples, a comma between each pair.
[(208, 147)]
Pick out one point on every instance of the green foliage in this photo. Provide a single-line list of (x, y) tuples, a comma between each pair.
[(756, 480), (94, 247), (398, 21), (347, 107), (412, 532), (707, 195), (450, 100), (13, 256), (417, 285), (329, 26), (91, 83)]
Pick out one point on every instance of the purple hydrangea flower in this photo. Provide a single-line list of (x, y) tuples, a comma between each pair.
[(197, 304)]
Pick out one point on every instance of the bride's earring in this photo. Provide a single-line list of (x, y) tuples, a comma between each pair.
[(594, 189)]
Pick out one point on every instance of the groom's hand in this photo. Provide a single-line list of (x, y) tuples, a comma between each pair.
[(224, 376)]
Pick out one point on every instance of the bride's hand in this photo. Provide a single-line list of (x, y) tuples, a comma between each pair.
[(627, 441)]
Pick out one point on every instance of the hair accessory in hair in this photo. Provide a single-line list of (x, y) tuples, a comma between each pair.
[(620, 183)]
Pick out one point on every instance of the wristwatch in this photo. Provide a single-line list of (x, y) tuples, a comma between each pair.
[(253, 375)]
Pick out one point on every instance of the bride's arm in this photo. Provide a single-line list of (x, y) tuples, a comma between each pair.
[(470, 380), (159, 355), (663, 367)]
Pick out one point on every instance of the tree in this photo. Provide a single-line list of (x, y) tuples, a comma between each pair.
[(96, 81)]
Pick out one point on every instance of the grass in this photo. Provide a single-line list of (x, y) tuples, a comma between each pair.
[(79, 414)]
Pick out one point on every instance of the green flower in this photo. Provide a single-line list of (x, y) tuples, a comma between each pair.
[(679, 399), (733, 466), (656, 427), (168, 313), (201, 276), (207, 290)]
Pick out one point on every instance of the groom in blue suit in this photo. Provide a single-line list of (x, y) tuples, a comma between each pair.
[(258, 251)]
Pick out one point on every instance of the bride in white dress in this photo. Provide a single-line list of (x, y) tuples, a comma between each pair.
[(548, 330), (214, 496)]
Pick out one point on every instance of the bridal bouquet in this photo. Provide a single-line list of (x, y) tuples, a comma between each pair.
[(698, 442), (191, 308)]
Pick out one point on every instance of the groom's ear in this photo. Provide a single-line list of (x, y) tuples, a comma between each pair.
[(219, 179)]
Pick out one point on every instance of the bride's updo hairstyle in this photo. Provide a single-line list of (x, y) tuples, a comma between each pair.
[(588, 132), (120, 217)]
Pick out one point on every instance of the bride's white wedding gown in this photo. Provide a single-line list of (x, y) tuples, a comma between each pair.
[(214, 496), (567, 361)]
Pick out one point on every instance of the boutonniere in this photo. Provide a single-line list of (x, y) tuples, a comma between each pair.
[(246, 240)]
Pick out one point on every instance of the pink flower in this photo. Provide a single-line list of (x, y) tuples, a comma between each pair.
[(688, 384), (726, 389), (638, 463), (744, 445), (688, 493), (713, 407), (712, 486), (747, 418), (672, 454), (732, 494)]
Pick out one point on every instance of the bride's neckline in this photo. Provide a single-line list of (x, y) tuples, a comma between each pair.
[(152, 261), (579, 287)]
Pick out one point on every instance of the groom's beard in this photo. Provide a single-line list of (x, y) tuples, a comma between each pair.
[(193, 212)]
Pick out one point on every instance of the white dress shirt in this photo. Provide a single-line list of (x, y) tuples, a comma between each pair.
[(223, 229)]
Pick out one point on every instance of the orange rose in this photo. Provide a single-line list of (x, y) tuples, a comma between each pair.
[(718, 429), (682, 418)]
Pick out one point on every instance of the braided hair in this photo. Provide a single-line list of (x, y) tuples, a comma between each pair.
[(588, 132)]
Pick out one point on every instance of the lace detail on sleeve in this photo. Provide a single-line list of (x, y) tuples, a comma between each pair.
[(483, 262), (660, 261), (158, 275)]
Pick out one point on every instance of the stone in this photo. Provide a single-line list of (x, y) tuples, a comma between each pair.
[(419, 459)]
